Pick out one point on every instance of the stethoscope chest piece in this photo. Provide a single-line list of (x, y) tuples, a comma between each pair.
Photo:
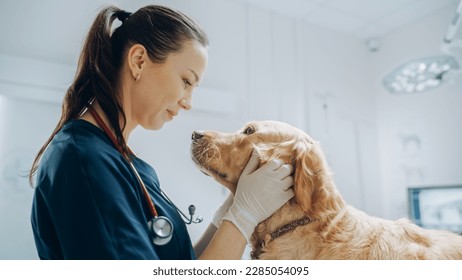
[(161, 229)]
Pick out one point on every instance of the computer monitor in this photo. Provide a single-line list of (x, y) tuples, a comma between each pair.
[(436, 207)]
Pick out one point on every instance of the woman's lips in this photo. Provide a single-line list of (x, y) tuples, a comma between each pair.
[(172, 114)]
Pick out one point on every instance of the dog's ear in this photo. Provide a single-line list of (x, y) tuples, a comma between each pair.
[(314, 188), (305, 174)]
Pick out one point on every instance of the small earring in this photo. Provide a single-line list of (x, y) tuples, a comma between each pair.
[(138, 76)]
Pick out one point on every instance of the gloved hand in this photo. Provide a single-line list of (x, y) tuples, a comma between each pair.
[(260, 192), (222, 210)]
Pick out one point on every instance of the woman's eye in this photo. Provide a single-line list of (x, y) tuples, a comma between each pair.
[(249, 130), (186, 83)]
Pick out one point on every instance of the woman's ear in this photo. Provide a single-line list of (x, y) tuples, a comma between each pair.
[(304, 176), (136, 58)]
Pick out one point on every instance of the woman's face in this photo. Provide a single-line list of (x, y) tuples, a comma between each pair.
[(165, 89)]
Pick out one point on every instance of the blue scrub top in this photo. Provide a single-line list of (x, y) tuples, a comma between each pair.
[(88, 203)]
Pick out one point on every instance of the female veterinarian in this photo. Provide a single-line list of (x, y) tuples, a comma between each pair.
[(94, 199)]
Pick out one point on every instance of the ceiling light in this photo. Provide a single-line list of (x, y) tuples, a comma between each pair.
[(422, 74), (430, 72)]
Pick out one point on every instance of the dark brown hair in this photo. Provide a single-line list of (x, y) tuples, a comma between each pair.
[(159, 29)]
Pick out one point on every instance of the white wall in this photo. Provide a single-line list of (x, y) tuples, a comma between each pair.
[(433, 117)]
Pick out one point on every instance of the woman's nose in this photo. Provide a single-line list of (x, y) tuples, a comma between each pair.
[(185, 104)]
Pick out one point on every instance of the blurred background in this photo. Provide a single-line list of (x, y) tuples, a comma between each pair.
[(323, 66)]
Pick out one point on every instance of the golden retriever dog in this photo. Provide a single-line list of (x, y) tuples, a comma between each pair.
[(317, 223)]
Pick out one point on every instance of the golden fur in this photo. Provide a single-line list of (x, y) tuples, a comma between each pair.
[(338, 231)]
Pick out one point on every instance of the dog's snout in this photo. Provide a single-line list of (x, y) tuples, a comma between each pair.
[(196, 135)]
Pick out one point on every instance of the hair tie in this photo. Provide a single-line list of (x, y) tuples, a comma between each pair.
[(122, 15)]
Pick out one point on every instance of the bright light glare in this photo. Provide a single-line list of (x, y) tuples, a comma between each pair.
[(421, 74)]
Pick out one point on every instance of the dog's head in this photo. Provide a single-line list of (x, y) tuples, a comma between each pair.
[(224, 155)]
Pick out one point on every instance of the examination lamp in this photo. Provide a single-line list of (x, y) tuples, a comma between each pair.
[(429, 72)]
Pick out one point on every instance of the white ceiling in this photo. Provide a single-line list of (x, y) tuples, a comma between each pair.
[(363, 18), (54, 29)]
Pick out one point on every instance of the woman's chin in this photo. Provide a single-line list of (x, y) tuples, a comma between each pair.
[(154, 125)]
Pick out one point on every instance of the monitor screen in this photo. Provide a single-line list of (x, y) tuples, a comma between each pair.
[(436, 207)]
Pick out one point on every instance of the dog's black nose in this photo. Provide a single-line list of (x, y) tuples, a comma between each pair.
[(196, 135)]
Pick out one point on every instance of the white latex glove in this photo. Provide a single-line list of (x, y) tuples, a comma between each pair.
[(260, 192), (222, 210)]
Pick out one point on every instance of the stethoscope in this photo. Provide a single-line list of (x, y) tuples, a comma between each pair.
[(191, 209), (160, 227)]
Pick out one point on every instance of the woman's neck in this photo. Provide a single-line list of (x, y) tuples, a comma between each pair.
[(87, 116)]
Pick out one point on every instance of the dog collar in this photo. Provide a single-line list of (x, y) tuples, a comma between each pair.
[(255, 253)]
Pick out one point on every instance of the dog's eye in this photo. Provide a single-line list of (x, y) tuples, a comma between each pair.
[(249, 130)]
